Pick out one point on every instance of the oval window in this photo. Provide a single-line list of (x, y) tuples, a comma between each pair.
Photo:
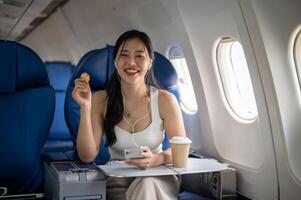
[(188, 101), (235, 78)]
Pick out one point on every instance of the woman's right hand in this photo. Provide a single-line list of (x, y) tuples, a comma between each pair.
[(82, 93)]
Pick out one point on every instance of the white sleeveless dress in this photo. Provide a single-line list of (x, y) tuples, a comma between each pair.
[(152, 136), (152, 188)]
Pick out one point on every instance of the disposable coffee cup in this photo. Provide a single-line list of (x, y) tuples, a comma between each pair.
[(180, 150)]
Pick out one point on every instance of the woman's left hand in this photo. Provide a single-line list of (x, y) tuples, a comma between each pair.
[(147, 161)]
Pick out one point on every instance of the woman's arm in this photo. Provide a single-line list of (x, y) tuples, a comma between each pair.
[(91, 127), (171, 115)]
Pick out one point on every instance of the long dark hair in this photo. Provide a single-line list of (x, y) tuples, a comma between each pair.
[(115, 107)]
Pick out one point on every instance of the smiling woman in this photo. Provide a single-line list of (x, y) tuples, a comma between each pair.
[(132, 114)]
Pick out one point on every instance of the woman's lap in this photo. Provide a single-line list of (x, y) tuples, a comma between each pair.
[(159, 187)]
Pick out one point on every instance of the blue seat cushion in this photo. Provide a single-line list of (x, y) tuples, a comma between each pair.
[(59, 138), (26, 113), (191, 196), (25, 118), (59, 74)]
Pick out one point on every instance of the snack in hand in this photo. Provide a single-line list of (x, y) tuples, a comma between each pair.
[(85, 76)]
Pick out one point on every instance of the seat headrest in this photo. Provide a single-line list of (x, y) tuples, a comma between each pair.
[(99, 64), (165, 74), (59, 74), (21, 68)]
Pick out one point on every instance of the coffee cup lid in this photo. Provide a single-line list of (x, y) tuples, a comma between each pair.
[(180, 140)]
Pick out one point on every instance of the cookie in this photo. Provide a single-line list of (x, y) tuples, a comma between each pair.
[(85, 76)]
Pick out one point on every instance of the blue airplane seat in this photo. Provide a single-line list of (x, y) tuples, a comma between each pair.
[(59, 138), (100, 65), (96, 63), (165, 75), (27, 107)]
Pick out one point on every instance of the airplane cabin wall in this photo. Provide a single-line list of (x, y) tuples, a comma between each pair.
[(278, 21), (246, 146)]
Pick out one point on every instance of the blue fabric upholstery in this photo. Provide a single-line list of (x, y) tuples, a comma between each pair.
[(27, 107), (96, 63), (191, 196), (165, 75), (100, 65), (59, 138)]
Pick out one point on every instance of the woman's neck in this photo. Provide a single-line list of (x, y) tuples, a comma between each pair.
[(134, 92)]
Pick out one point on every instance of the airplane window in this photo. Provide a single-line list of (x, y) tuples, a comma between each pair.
[(188, 101), (297, 54), (235, 80)]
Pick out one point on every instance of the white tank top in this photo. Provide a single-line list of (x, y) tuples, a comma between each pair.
[(152, 136)]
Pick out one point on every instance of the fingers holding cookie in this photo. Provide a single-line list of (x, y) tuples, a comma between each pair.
[(81, 91), (82, 83)]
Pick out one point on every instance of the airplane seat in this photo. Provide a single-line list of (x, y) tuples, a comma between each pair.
[(96, 64), (165, 75), (59, 139), (100, 65), (27, 107)]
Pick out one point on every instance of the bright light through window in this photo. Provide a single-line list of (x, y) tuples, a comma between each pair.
[(188, 101), (235, 79)]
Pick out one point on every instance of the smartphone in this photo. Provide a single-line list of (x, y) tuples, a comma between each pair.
[(133, 153)]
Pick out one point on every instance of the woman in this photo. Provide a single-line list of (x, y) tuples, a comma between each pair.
[(130, 113)]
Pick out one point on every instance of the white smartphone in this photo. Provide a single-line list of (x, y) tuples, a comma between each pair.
[(133, 153)]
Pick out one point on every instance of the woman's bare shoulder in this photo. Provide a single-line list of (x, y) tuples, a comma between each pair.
[(167, 102), (166, 97)]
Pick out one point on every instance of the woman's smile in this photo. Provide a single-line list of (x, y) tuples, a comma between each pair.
[(131, 71)]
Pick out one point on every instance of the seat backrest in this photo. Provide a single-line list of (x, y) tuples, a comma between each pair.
[(59, 139), (96, 63), (27, 107), (100, 65)]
